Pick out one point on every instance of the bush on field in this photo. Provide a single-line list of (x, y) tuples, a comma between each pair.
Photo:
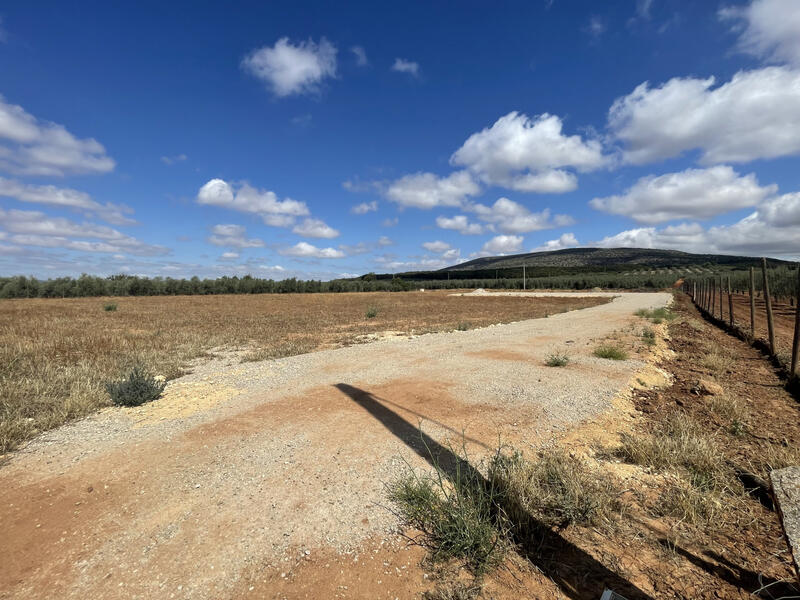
[(110, 307), (137, 388), (557, 359), (610, 352), (457, 515)]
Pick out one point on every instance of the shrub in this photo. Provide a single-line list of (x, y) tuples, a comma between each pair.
[(557, 359), (372, 312), (555, 490), (139, 387), (458, 515), (463, 326), (610, 352), (648, 336), (110, 307)]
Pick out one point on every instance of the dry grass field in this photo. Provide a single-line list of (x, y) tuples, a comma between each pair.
[(57, 355)]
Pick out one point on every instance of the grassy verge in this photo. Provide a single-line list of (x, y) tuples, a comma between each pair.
[(656, 315)]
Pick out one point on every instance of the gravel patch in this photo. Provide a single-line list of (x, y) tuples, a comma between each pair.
[(240, 463)]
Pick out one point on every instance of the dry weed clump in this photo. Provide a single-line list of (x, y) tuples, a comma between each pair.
[(717, 359), (698, 475), (56, 355), (555, 489)]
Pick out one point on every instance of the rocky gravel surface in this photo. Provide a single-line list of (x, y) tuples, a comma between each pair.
[(247, 464)]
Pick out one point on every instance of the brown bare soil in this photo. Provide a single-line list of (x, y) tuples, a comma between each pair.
[(783, 314), (56, 355)]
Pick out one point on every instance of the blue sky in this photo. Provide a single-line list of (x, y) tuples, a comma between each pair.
[(319, 140)]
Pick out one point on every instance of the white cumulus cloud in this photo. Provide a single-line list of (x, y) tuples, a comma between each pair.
[(288, 68), (233, 236), (438, 246), (247, 199), (508, 216), (503, 244), (566, 240), (773, 229), (306, 250), (529, 155), (426, 190), (689, 194), (459, 223), (770, 29), (315, 228), (29, 146), (754, 115), (34, 228), (116, 214)]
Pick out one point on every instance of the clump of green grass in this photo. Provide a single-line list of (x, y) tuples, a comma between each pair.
[(610, 352), (462, 326), (138, 387), (110, 307), (649, 336), (656, 315), (556, 489), (457, 515), (557, 359), (371, 312)]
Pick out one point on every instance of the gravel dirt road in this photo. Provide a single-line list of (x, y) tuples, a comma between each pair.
[(267, 479)]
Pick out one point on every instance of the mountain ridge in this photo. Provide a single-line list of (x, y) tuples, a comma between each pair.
[(600, 257)]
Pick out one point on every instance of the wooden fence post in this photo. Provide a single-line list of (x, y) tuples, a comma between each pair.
[(694, 292), (713, 296), (721, 288), (703, 294), (752, 303), (768, 300), (796, 341), (730, 302)]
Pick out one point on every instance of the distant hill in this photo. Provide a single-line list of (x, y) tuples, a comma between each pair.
[(599, 258)]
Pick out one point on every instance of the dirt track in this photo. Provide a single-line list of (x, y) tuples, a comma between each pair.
[(244, 474)]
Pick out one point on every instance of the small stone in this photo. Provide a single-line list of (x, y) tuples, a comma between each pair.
[(709, 388)]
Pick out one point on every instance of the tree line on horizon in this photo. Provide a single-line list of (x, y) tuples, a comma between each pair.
[(131, 285)]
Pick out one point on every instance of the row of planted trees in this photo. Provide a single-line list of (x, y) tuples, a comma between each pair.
[(128, 285), (714, 295)]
